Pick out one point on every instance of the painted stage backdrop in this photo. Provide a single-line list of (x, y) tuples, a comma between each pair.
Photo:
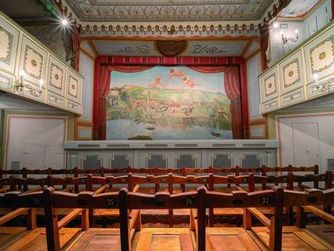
[(164, 103)]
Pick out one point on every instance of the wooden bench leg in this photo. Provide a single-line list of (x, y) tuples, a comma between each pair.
[(170, 218), (31, 219), (85, 220), (289, 211), (211, 217), (138, 222), (247, 219), (192, 219), (91, 217), (300, 217)]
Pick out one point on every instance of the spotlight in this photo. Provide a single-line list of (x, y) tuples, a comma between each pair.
[(276, 25), (64, 22)]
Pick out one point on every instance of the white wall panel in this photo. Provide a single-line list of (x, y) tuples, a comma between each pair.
[(87, 71), (306, 140), (35, 141), (253, 70)]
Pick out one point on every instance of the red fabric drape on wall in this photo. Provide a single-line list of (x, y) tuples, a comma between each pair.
[(234, 81)]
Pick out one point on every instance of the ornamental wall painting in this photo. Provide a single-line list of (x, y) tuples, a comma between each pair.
[(73, 87), (322, 55), (168, 103), (8, 46), (56, 76), (33, 62), (291, 72), (319, 56), (269, 85)]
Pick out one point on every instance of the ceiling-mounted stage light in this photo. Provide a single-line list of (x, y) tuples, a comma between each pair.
[(276, 24), (64, 21)]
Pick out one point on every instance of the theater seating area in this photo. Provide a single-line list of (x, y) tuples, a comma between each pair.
[(91, 209)]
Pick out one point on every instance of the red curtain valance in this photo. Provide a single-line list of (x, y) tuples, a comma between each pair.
[(234, 82)]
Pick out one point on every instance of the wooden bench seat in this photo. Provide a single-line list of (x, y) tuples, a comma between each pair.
[(35, 240), (293, 238), (324, 231), (229, 238), (96, 239), (171, 239)]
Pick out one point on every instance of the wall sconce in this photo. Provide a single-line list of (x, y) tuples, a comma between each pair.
[(20, 87), (286, 39), (326, 86)]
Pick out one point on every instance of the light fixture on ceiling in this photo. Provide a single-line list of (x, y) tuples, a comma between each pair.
[(286, 39), (64, 22), (20, 87)]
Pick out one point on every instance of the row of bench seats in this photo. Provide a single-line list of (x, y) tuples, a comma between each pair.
[(237, 170), (169, 183), (129, 205)]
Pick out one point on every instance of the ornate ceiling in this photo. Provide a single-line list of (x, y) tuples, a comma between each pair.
[(168, 10), (170, 18), (298, 8)]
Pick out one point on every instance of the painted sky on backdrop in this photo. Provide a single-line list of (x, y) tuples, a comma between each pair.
[(212, 82)]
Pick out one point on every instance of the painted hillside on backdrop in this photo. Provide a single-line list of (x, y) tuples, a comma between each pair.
[(168, 108)]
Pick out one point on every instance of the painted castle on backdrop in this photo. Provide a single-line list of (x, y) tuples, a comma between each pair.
[(168, 103)]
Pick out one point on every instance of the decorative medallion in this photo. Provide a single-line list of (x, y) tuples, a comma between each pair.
[(322, 55), (270, 85), (6, 43), (291, 73), (57, 77), (73, 87), (32, 62), (171, 48)]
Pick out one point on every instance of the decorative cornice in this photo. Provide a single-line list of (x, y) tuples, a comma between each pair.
[(169, 29)]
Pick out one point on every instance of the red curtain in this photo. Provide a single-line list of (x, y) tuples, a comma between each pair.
[(234, 82)]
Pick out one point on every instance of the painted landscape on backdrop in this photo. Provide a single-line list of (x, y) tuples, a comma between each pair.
[(168, 103)]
